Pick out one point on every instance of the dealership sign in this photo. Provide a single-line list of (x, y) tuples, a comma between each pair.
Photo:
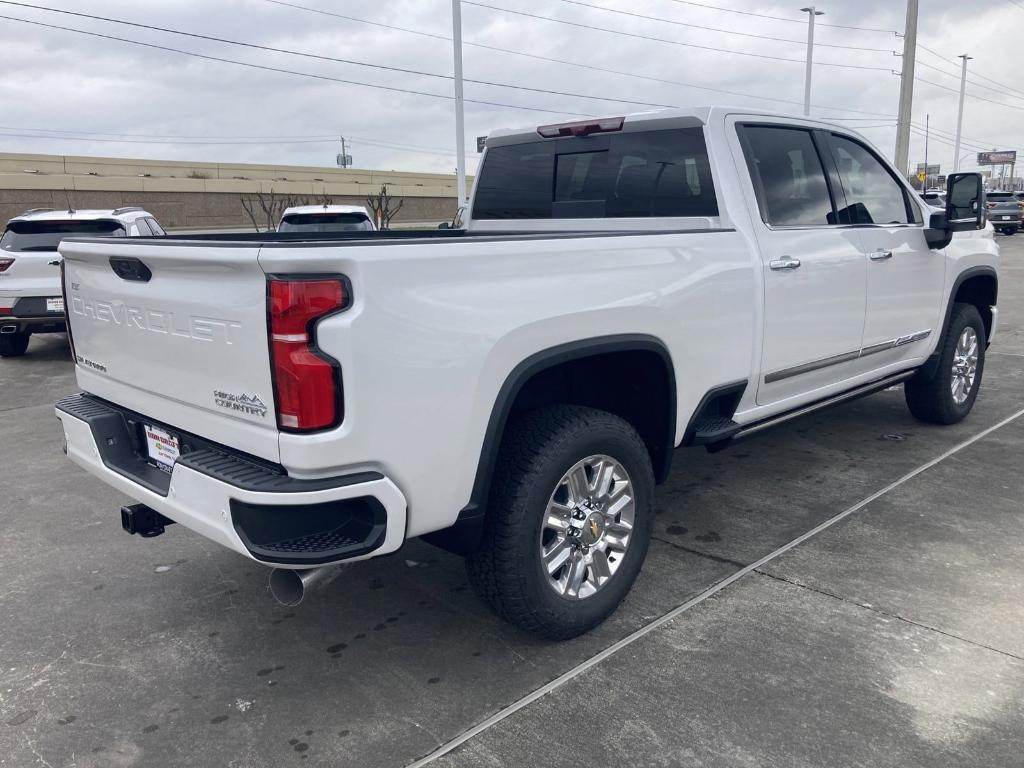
[(1004, 157)]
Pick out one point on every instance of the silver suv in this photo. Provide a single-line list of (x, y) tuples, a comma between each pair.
[(30, 291)]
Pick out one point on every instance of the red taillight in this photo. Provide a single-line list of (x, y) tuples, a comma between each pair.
[(582, 128), (306, 382), (5, 264)]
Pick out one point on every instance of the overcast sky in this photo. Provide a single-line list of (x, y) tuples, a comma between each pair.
[(58, 83)]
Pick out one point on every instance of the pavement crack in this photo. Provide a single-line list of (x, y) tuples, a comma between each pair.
[(887, 614), (708, 555)]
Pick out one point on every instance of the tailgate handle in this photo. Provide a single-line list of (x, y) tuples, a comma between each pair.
[(130, 269)]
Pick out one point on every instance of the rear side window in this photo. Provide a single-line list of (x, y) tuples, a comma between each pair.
[(873, 196), (325, 222), (788, 177), (46, 235), (625, 175)]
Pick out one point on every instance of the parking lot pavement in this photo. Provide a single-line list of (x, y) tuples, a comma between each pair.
[(891, 638)]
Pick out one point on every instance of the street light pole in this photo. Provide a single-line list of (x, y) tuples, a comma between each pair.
[(811, 13), (960, 110), (460, 110)]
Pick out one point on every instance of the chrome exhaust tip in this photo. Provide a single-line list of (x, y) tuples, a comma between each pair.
[(289, 585), (8, 329)]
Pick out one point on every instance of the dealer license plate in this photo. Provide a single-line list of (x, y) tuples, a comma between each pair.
[(163, 447), (55, 305)]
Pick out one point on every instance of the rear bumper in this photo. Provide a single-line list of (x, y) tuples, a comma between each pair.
[(243, 505), (29, 313)]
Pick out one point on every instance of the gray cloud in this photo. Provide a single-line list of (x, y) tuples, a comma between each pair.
[(61, 81)]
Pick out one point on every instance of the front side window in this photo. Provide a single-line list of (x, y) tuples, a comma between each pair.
[(42, 235), (788, 176), (873, 196), (624, 175), (155, 227)]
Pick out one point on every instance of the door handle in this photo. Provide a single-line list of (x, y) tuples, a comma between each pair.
[(880, 255), (786, 262), (54, 263)]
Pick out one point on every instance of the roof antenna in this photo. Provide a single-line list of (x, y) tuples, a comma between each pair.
[(67, 197)]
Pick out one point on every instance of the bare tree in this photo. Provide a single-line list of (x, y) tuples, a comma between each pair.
[(382, 207), (265, 208)]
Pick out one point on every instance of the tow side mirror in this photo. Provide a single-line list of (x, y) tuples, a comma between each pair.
[(965, 202), (965, 210)]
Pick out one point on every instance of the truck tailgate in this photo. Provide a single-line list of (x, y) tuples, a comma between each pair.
[(176, 332)]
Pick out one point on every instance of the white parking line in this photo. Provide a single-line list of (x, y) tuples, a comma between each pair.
[(579, 669)]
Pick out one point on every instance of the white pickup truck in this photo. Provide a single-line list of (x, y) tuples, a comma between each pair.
[(515, 390)]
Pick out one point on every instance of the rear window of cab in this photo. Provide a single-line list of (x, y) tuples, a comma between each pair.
[(640, 174)]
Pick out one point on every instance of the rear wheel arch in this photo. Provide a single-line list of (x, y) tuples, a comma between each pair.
[(640, 387)]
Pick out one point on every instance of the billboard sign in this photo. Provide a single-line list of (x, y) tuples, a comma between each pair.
[(929, 170), (1002, 157)]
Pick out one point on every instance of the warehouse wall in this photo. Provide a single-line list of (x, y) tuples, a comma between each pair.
[(183, 194)]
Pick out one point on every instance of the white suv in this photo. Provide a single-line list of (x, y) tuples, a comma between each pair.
[(325, 218), (30, 293)]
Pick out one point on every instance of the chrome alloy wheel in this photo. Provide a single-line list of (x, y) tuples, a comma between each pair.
[(965, 365), (587, 527)]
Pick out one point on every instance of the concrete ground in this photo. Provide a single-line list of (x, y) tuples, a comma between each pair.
[(893, 638)]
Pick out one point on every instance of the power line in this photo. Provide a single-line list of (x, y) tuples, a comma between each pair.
[(971, 95), (969, 80), (566, 62), (638, 36), (281, 70), (717, 29), (319, 57), (781, 18), (92, 136), (976, 73)]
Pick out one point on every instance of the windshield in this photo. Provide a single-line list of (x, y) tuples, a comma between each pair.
[(46, 235), (326, 222)]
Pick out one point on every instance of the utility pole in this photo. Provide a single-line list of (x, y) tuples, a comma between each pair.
[(960, 110), (906, 89), (811, 13), (460, 111)]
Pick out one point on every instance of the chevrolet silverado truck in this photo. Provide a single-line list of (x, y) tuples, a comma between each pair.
[(515, 390)]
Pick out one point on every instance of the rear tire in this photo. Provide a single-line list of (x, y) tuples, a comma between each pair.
[(948, 396), (14, 344), (568, 523)]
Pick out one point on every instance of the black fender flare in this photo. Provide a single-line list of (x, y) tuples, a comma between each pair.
[(464, 536), (930, 366)]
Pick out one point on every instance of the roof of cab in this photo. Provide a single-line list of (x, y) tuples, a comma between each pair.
[(677, 117)]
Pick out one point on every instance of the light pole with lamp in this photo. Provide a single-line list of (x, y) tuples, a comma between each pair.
[(811, 13)]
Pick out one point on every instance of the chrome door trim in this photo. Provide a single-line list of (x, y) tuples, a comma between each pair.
[(845, 357), (814, 365)]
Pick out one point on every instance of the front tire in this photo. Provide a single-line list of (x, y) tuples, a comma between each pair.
[(14, 344), (948, 396), (569, 520)]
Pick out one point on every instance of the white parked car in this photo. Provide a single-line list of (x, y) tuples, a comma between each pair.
[(326, 218), (30, 290), (514, 391)]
